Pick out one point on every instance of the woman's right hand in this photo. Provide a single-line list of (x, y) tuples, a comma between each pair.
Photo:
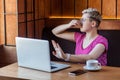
[(74, 23)]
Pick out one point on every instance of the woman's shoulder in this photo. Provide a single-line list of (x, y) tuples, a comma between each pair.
[(78, 36), (101, 38)]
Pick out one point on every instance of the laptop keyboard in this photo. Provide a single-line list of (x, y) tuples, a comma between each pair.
[(52, 63), (52, 67)]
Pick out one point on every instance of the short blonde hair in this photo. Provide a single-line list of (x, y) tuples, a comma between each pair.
[(93, 14)]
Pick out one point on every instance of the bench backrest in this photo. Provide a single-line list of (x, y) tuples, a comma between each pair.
[(113, 37)]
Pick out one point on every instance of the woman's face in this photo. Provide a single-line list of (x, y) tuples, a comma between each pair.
[(86, 23)]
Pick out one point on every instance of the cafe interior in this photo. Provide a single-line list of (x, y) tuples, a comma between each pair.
[(36, 18)]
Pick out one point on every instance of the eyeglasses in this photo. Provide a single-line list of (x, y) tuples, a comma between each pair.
[(83, 19)]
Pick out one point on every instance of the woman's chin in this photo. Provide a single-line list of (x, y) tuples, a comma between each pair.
[(82, 30)]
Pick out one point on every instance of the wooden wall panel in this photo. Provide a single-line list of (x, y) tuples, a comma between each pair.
[(21, 11), (95, 4), (68, 8), (11, 29), (30, 29), (22, 30), (38, 28), (36, 9), (110, 25), (32, 23), (47, 8), (73, 8), (118, 9), (55, 7), (30, 17), (29, 5), (10, 14), (21, 18), (1, 23), (80, 5), (109, 9), (41, 9), (21, 6), (11, 6)]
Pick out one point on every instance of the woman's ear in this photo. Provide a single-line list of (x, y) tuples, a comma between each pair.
[(94, 23)]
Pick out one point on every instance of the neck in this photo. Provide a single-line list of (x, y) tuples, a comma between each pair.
[(91, 34)]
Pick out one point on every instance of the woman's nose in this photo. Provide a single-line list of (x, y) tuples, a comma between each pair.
[(81, 23)]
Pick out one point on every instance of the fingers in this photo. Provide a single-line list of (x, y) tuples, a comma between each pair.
[(58, 46), (54, 53), (58, 51), (54, 44), (74, 22), (58, 54)]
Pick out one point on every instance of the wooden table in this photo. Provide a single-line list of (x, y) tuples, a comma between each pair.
[(106, 73)]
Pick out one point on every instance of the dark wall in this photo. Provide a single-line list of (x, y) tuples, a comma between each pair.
[(113, 37), (7, 55)]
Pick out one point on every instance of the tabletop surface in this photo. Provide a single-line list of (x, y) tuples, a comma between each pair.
[(13, 71)]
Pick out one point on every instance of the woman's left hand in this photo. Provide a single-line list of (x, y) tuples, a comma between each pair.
[(58, 51)]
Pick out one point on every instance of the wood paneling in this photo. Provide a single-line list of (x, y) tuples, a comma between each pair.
[(55, 7), (95, 4), (68, 8), (11, 6), (22, 30), (109, 9), (1, 23), (47, 8), (80, 5), (31, 21), (118, 9), (38, 28), (110, 25), (56, 21), (29, 5), (21, 18), (73, 8), (30, 29), (39, 9), (11, 29), (10, 13), (30, 17), (21, 10), (21, 6), (43, 9)]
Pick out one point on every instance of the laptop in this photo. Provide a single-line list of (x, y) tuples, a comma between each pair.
[(35, 54)]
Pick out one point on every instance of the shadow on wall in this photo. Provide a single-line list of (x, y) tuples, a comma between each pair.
[(113, 37)]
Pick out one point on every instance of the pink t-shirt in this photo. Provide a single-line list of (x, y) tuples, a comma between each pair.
[(99, 40)]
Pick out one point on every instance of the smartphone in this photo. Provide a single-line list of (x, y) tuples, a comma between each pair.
[(77, 72)]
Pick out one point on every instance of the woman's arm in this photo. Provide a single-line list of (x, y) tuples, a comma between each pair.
[(61, 31), (94, 54)]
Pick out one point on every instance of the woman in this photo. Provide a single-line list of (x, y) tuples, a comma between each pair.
[(89, 45)]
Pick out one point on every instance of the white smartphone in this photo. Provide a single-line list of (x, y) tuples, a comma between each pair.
[(77, 72)]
